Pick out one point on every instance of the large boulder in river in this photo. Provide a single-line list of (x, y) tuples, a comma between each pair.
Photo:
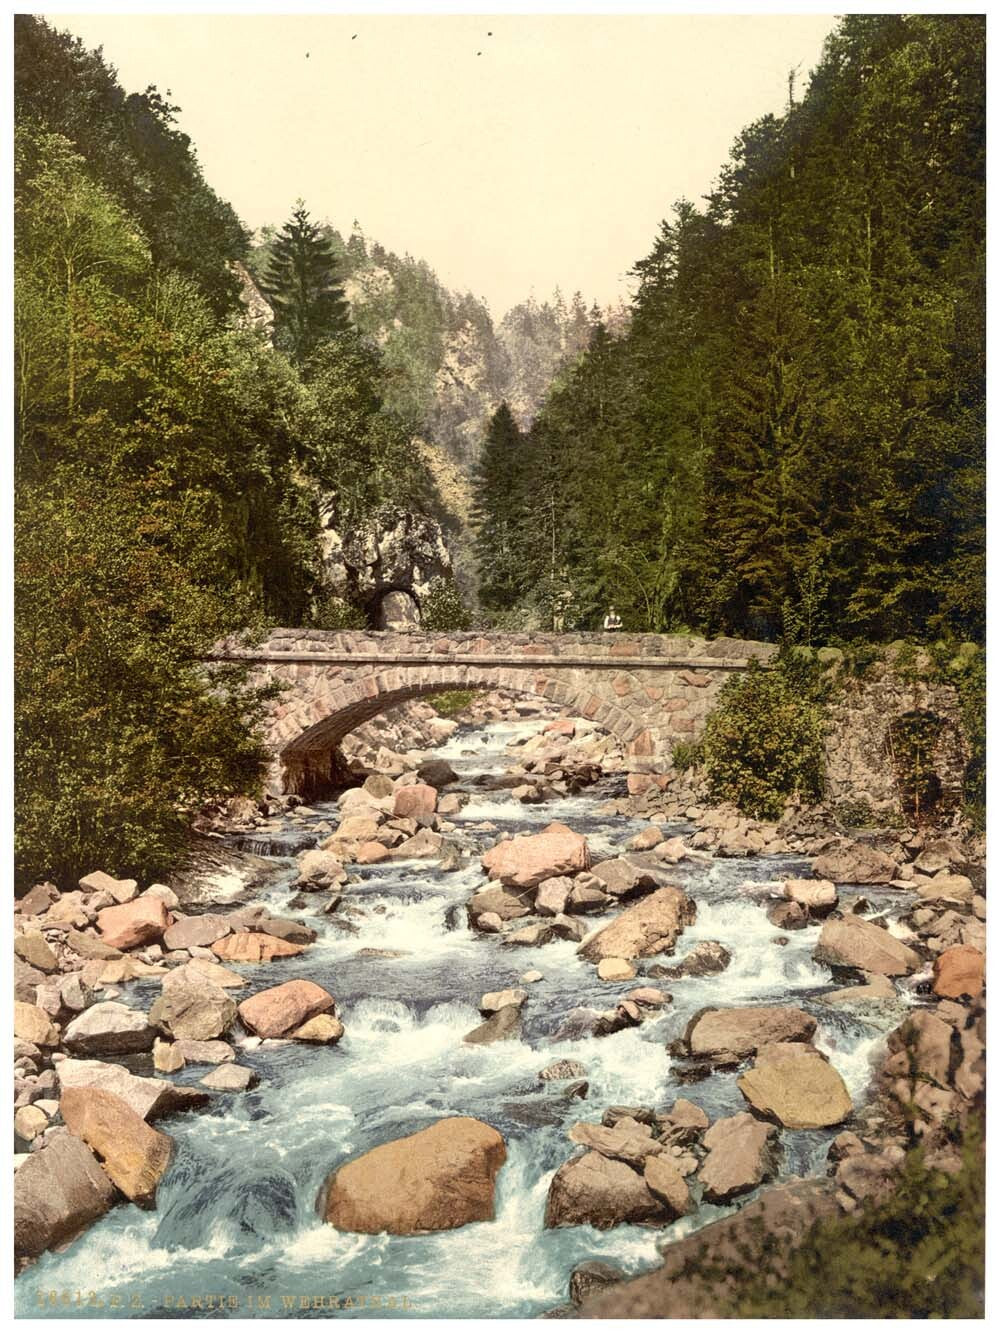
[(417, 801), (278, 1011), (624, 877), (149, 1098), (855, 863), (852, 942), (321, 868), (437, 773), (498, 902), (647, 928), (523, 862), (248, 946), (133, 1154), (817, 896), (109, 1029), (141, 921), (552, 895), (735, 1033), (502, 1025), (794, 1084), (742, 1154), (598, 1191), (58, 1191), (705, 959), (196, 931), (190, 1005), (437, 1179), (959, 971)]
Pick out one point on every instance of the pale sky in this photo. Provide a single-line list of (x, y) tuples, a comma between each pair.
[(544, 154)]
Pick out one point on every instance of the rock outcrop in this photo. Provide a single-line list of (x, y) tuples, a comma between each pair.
[(387, 564)]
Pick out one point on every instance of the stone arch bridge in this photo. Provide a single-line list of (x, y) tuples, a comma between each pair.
[(649, 690)]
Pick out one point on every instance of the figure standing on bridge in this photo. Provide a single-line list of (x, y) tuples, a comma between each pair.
[(612, 620)]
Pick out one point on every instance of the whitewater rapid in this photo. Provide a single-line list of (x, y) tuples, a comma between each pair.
[(236, 1215)]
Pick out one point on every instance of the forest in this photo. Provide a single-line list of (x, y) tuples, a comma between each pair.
[(170, 463), (782, 437), (788, 442)]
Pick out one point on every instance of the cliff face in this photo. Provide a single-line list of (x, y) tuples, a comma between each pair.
[(449, 366), (387, 565), (256, 313)]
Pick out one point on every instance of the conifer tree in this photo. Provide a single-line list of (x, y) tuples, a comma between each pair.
[(499, 513), (302, 286)]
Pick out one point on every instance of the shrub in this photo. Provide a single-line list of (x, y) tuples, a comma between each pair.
[(860, 813), (968, 674), (120, 731), (686, 755), (449, 703), (333, 613), (443, 609), (919, 1255), (763, 743)]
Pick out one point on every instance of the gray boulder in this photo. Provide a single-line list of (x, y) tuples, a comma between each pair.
[(109, 1028), (58, 1191)]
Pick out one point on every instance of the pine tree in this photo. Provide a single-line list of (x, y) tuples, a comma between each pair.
[(302, 286), (499, 513)]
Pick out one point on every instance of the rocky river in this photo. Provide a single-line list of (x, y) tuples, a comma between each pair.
[(236, 1231)]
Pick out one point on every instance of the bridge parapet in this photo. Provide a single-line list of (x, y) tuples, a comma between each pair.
[(282, 644)]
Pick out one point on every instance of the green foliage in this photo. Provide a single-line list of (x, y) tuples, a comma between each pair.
[(861, 814), (787, 442), (451, 703), (172, 471), (333, 613), (968, 674), (119, 733), (499, 515), (443, 609), (302, 288), (763, 742), (135, 155), (919, 1255), (358, 450), (686, 755)]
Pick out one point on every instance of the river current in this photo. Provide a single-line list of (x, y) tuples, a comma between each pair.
[(235, 1225)]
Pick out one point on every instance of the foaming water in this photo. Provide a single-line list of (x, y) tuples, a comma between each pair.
[(237, 1209)]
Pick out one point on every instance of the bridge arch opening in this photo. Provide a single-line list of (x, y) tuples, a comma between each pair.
[(926, 754), (309, 763)]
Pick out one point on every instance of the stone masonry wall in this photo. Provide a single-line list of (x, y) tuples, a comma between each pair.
[(859, 752), (649, 691)]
